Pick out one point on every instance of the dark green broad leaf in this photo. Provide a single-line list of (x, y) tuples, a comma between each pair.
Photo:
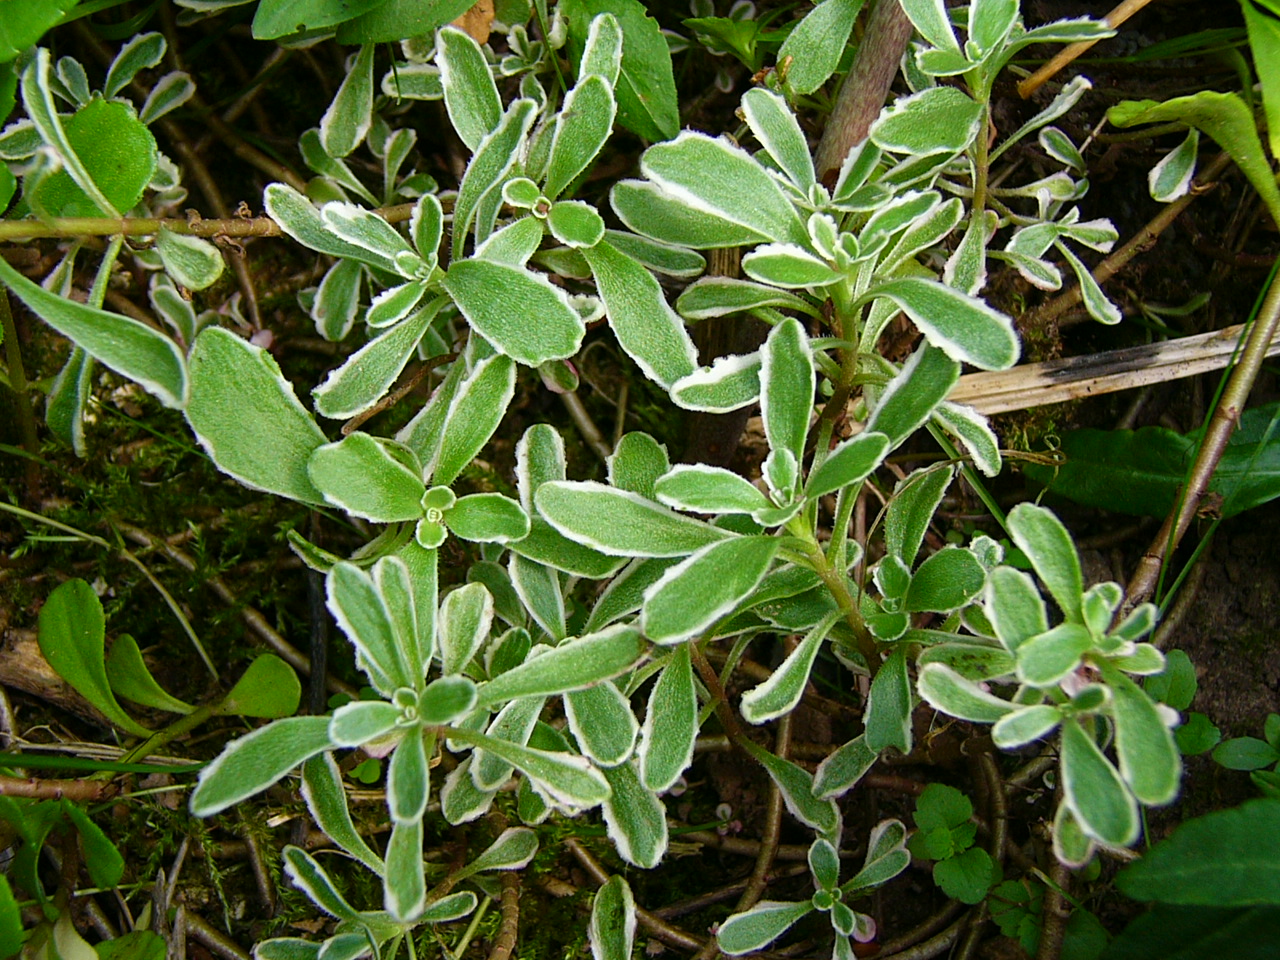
[(1223, 859), (697, 592), (621, 523), (132, 349), (520, 312), (1180, 932), (278, 18), (25, 22), (1141, 471), (388, 21), (646, 90), (117, 152), (71, 637)]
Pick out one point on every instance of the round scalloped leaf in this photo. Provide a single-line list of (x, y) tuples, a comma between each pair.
[(116, 149)]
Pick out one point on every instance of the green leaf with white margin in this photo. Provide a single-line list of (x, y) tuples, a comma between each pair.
[(192, 262), (143, 52), (1171, 177), (539, 589), (652, 212), (575, 224), (513, 850), (911, 509), (170, 92), (487, 518), (775, 126), (671, 261), (132, 349), (782, 691), (67, 399), (637, 462), (407, 583), (944, 689), (930, 19), (1052, 552), (887, 856), (298, 218), (470, 95), (394, 304), (565, 778), (888, 711), (730, 383), (796, 786), (764, 922), (547, 545), (326, 800), (718, 296), (1094, 791), (935, 120), (974, 432), (636, 820), (250, 764), (788, 265), (743, 192), (621, 523), (966, 268), (514, 723), (698, 591), (645, 87), (347, 120), (454, 906), (1046, 660), (408, 779), (380, 241), (1096, 302), (404, 887), (309, 877), (369, 477), (573, 665), (582, 127), (446, 700), (465, 618), (602, 51), (1026, 725), (963, 327), (841, 770), (1149, 758), (496, 154), (368, 374), (699, 488), (852, 460), (540, 458), (813, 49), (647, 328), (602, 723), (360, 610), (670, 724), (1014, 607), (1071, 844), (241, 405), (613, 921), (474, 413), (787, 380), (945, 581), (71, 637), (500, 301)]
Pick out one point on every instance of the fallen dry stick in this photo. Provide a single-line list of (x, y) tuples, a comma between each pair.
[(1053, 381)]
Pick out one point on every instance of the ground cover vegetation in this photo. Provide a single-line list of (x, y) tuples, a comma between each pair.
[(539, 490)]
